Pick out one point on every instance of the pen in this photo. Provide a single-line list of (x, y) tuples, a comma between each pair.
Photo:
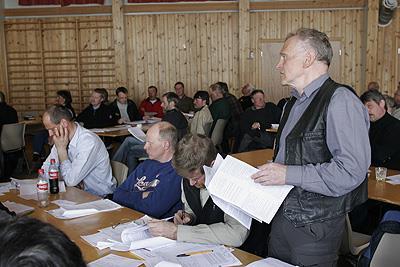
[(187, 254)]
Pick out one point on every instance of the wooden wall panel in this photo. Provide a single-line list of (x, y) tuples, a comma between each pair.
[(343, 25)]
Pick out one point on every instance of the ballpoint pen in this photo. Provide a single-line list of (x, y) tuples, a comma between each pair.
[(187, 254)]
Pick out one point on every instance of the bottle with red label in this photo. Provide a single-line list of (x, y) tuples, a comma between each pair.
[(54, 173), (42, 187)]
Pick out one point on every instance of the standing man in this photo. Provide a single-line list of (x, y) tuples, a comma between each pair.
[(322, 150), (81, 154), (124, 109), (97, 114), (185, 103)]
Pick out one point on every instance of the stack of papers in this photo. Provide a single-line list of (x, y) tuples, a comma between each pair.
[(269, 262), (188, 254), (19, 209), (70, 211), (127, 236), (112, 260), (5, 187), (239, 196)]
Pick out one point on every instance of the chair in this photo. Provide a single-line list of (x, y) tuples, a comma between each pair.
[(13, 139), (387, 252), (119, 171), (218, 133), (353, 242)]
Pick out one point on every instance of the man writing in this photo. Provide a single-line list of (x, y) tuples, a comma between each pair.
[(201, 220), (82, 156), (322, 149)]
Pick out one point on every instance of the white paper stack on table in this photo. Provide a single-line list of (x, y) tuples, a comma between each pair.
[(19, 209), (394, 179), (127, 236), (269, 262), (112, 260), (188, 254), (239, 196), (5, 187), (70, 211)]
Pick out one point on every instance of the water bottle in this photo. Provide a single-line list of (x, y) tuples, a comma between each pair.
[(53, 177), (42, 188)]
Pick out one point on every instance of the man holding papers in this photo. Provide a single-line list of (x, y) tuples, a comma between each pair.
[(201, 220), (154, 187), (81, 154), (322, 149)]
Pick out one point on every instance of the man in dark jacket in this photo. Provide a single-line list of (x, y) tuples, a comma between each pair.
[(97, 114), (123, 109)]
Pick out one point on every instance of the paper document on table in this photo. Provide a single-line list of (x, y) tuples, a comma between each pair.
[(232, 183), (137, 133), (394, 179), (19, 209), (228, 208), (112, 260), (27, 189), (197, 255), (84, 209), (122, 237), (269, 262), (5, 187)]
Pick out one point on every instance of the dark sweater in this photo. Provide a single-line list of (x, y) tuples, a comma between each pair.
[(384, 137), (7, 115), (132, 110), (176, 118), (265, 116), (99, 118)]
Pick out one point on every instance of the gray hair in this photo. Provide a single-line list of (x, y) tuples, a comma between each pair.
[(58, 112), (168, 132), (318, 41)]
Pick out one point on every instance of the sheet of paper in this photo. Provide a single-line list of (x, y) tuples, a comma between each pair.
[(269, 262), (19, 209), (84, 209), (137, 133), (232, 183), (62, 202), (219, 255), (135, 233), (152, 243), (394, 179), (112, 260), (5, 187), (167, 264)]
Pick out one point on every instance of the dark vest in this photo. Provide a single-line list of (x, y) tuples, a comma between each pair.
[(209, 214), (306, 144)]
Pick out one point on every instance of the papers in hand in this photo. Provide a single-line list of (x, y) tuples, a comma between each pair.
[(127, 236), (137, 133), (232, 184), (70, 211), (19, 209)]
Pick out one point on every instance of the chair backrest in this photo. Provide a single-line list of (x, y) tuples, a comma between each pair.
[(218, 132), (207, 128), (119, 171), (353, 242), (13, 137), (387, 252)]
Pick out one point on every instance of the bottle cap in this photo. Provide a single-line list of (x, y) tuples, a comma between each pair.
[(52, 161), (40, 171)]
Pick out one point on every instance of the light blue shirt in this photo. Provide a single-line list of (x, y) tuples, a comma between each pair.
[(88, 161), (347, 125)]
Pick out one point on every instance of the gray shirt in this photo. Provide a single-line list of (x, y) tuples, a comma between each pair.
[(347, 139)]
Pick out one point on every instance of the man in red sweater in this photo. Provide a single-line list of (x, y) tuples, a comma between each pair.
[(151, 106)]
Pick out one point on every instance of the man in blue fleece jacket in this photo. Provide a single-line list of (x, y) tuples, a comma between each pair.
[(154, 187)]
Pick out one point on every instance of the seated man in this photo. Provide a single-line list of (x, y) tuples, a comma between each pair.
[(245, 100), (201, 220), (27, 241), (151, 104), (255, 120), (202, 120), (97, 114), (123, 109), (384, 132), (219, 108), (132, 149), (154, 187), (185, 103), (81, 154)]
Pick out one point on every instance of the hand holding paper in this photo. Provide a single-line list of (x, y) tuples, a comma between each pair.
[(270, 174)]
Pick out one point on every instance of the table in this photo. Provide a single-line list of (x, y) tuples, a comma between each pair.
[(90, 224), (381, 191), (118, 132)]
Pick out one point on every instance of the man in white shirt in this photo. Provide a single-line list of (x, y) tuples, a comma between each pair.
[(201, 220), (81, 155)]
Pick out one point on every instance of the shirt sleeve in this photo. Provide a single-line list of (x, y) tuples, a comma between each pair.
[(347, 139), (76, 169)]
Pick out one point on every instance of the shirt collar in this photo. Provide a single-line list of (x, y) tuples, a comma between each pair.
[(311, 88)]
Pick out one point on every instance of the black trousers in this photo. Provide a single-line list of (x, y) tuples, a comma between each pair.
[(315, 244)]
